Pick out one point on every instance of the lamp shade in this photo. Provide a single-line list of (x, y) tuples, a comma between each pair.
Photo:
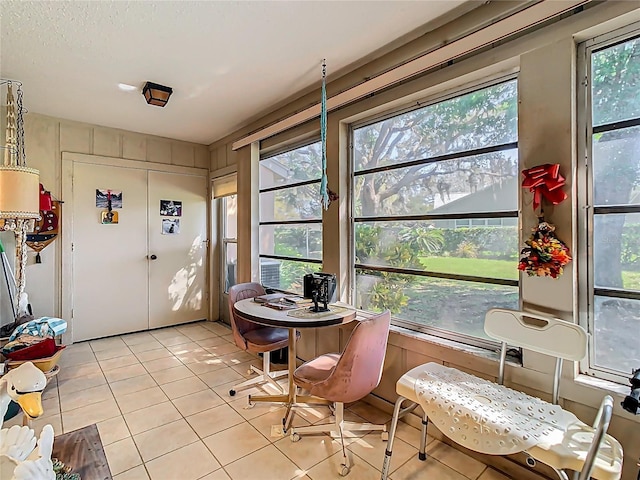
[(19, 192), (156, 94)]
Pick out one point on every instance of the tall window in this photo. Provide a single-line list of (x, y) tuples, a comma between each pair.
[(229, 240), (436, 212), (612, 219), (290, 217)]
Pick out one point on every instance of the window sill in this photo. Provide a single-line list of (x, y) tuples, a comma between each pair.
[(606, 386), (484, 353)]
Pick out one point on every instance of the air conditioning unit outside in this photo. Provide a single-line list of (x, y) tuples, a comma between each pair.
[(270, 273)]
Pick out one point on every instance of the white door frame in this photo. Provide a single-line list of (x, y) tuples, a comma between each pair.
[(68, 161)]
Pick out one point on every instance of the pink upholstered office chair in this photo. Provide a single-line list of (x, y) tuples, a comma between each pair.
[(347, 377), (255, 338)]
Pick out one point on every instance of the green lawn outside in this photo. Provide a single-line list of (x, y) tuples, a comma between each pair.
[(507, 269), (631, 280), (480, 267)]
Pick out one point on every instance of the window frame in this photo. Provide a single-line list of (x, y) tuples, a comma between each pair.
[(274, 153), (584, 198), (434, 98), (226, 240)]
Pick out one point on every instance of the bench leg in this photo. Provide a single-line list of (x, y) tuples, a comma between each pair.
[(392, 436), (562, 475), (398, 413), (422, 454)]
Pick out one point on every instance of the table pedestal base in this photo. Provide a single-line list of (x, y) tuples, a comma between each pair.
[(290, 398), (283, 398), (299, 399)]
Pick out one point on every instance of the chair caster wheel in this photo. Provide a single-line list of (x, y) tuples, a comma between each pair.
[(295, 437), (249, 372), (422, 456), (232, 393), (384, 436), (344, 470)]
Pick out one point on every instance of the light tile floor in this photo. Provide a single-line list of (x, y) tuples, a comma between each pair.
[(161, 402)]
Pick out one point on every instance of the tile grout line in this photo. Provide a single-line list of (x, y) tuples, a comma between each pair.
[(486, 467), (122, 415), (225, 402), (123, 419), (199, 439), (244, 420), (143, 462)]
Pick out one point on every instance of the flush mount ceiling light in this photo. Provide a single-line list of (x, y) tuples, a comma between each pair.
[(156, 94)]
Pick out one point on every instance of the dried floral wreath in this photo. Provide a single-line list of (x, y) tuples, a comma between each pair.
[(545, 254)]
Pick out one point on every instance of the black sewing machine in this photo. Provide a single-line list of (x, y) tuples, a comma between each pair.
[(631, 402), (320, 287)]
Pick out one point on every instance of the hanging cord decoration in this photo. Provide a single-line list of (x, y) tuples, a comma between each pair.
[(19, 159), (324, 189), (22, 154)]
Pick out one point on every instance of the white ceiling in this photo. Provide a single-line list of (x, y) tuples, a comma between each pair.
[(227, 61)]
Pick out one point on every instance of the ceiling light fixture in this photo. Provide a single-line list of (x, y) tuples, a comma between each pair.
[(156, 94)]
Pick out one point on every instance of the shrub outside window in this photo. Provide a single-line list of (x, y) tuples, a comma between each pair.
[(290, 217), (435, 212)]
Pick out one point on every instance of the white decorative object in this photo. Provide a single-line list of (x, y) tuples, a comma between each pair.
[(17, 442), (23, 305), (23, 385), (19, 460), (37, 466)]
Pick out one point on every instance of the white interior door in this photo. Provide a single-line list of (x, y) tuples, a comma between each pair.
[(177, 275), (110, 266)]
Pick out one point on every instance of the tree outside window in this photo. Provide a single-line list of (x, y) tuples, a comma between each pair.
[(435, 211), (290, 217)]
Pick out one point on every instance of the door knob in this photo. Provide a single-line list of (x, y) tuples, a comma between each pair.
[(153, 257)]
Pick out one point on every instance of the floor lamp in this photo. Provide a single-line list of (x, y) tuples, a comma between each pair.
[(19, 185)]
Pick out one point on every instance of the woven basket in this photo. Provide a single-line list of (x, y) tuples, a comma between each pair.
[(45, 364)]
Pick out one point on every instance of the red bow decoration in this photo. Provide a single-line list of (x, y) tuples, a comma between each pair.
[(544, 181), (45, 199)]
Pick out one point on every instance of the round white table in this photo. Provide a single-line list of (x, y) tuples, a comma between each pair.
[(256, 312)]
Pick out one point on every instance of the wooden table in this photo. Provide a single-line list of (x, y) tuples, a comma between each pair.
[(263, 315), (82, 450)]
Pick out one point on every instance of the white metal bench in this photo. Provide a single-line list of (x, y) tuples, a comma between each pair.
[(490, 418)]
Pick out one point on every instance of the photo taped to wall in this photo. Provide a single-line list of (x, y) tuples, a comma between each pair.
[(170, 226), (171, 208), (104, 194)]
